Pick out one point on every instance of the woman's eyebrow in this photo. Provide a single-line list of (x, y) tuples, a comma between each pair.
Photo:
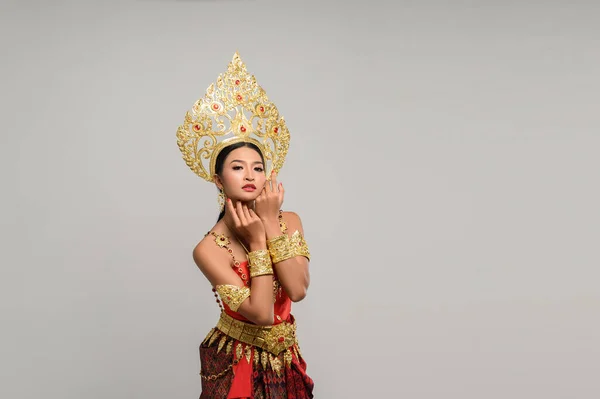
[(237, 160)]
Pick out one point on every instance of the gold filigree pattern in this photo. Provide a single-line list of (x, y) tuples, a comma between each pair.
[(214, 337), (275, 364), (281, 336), (248, 353), (287, 357), (221, 343), (221, 240), (260, 263), (298, 245), (264, 358), (295, 349), (274, 339), (234, 109), (233, 295), (260, 357), (238, 351), (279, 248), (210, 333), (256, 357)]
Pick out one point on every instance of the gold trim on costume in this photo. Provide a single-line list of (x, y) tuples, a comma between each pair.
[(238, 347)]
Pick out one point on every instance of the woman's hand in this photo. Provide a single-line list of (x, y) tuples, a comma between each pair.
[(247, 224), (269, 202)]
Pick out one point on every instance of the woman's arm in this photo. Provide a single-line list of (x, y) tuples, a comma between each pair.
[(257, 304), (293, 273)]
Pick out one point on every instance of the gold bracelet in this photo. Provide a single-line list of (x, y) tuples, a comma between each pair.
[(260, 263), (279, 248)]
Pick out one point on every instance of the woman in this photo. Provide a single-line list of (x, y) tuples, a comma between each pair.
[(255, 256)]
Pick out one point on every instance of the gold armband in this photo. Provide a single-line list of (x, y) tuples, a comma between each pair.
[(260, 263), (284, 247), (298, 245), (279, 248), (233, 295)]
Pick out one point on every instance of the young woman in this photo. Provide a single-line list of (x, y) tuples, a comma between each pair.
[(255, 256)]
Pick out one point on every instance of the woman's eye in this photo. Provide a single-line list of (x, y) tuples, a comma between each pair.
[(258, 169), (237, 167)]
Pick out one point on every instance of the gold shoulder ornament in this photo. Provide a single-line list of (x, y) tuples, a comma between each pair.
[(234, 109)]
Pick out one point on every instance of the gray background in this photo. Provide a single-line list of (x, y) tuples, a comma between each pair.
[(444, 161)]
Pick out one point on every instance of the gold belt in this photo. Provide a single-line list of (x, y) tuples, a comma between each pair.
[(273, 339)]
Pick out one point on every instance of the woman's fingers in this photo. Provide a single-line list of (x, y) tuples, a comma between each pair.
[(268, 188), (251, 212), (246, 213), (281, 193), (240, 213), (253, 215), (231, 210), (274, 181), (263, 192)]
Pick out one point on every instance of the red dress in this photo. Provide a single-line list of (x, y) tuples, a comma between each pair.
[(232, 369)]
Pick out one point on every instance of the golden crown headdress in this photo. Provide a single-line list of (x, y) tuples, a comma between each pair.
[(234, 109)]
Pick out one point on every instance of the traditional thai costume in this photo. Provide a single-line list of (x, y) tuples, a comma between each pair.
[(240, 359)]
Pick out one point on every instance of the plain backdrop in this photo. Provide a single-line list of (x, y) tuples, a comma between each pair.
[(444, 162)]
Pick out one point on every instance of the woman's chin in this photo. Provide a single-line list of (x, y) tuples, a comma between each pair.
[(247, 196)]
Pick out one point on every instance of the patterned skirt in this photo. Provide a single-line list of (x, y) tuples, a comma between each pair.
[(225, 361)]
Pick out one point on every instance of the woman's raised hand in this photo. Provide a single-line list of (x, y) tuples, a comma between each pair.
[(247, 224), (269, 202)]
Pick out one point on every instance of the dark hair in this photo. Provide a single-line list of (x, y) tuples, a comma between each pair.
[(223, 155)]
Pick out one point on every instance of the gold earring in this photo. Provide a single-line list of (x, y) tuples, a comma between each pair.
[(221, 200)]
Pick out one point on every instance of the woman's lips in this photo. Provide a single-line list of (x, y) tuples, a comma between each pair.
[(249, 187)]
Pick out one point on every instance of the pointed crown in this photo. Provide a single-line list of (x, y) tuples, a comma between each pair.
[(234, 109)]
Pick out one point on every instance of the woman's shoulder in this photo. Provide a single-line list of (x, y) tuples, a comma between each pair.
[(292, 221), (207, 247), (289, 215)]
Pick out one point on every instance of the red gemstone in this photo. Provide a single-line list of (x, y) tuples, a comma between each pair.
[(281, 339), (262, 109), (196, 127), (237, 82), (215, 106), (276, 129), (243, 129), (239, 97)]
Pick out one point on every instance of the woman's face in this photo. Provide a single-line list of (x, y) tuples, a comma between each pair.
[(243, 176)]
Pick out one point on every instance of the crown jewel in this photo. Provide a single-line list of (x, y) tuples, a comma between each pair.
[(234, 109)]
